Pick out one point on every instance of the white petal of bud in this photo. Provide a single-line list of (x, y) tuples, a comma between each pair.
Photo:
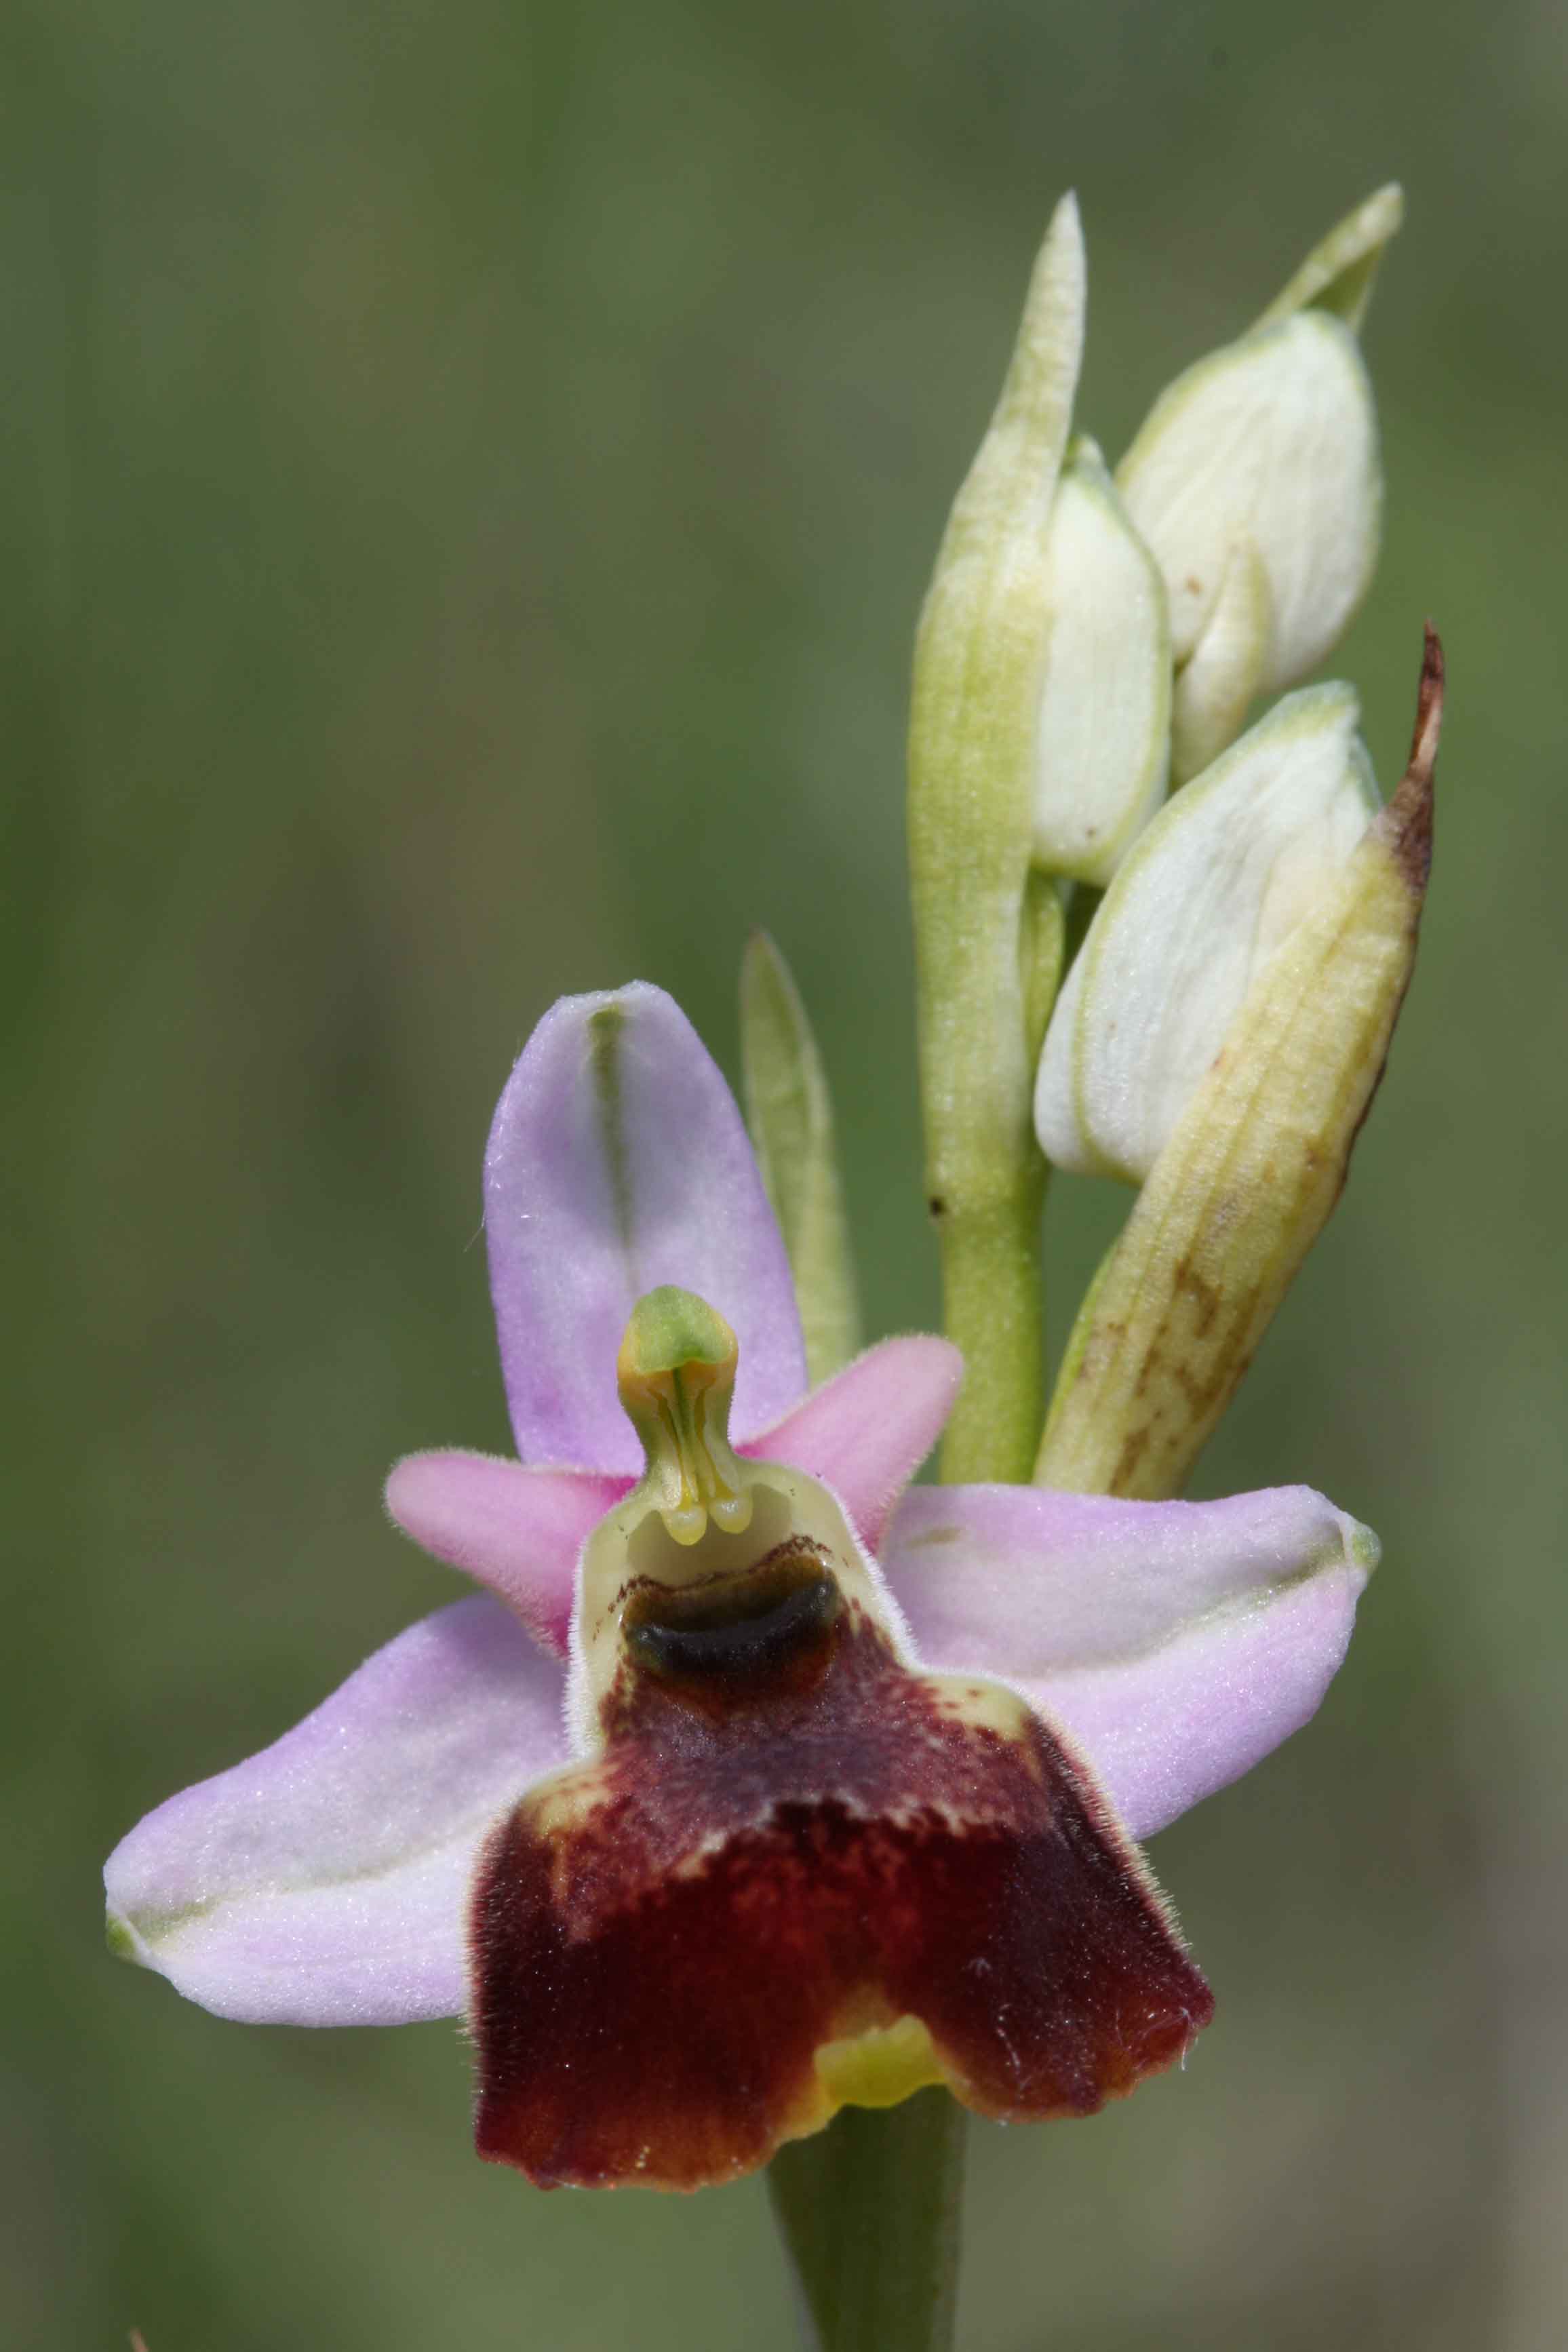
[(1206, 894), (1102, 745), (1215, 691), (1273, 439)]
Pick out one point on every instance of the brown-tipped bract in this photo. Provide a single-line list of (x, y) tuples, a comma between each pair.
[(1252, 1169)]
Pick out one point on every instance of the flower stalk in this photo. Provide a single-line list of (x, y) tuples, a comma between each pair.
[(869, 2211)]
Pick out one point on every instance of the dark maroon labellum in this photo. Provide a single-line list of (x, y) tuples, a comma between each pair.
[(664, 1937)]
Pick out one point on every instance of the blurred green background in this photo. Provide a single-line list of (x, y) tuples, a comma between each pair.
[(471, 471)]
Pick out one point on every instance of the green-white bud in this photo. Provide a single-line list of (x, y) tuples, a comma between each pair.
[(1102, 745), (1252, 1167), (1222, 876), (1257, 483)]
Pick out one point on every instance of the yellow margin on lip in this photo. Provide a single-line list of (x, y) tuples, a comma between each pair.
[(880, 2068)]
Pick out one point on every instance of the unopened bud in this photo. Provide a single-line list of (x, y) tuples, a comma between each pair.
[(1102, 746), (1252, 1167), (1208, 892), (1257, 483)]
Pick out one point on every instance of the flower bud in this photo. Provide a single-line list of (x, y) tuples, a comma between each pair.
[(1102, 743), (1256, 481), (1209, 891), (1253, 1166)]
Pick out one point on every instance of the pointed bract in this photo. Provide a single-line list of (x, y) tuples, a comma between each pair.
[(980, 657), (1338, 273), (1252, 1167)]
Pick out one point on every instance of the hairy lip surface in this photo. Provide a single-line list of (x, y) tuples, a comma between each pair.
[(664, 1939)]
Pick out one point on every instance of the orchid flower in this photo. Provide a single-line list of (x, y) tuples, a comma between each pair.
[(752, 1785)]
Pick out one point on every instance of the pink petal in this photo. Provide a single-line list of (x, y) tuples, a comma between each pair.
[(1177, 1642), (517, 1530), (325, 1881), (618, 1161), (866, 1432)]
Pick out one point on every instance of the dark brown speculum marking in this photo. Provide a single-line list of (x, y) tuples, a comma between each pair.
[(724, 1641), (791, 1837)]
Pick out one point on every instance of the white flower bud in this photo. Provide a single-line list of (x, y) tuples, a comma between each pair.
[(1206, 894), (1272, 441), (1256, 481), (1102, 743), (1251, 1170)]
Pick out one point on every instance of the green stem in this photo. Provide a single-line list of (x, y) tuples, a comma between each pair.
[(992, 1276), (869, 2211), (991, 1280)]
